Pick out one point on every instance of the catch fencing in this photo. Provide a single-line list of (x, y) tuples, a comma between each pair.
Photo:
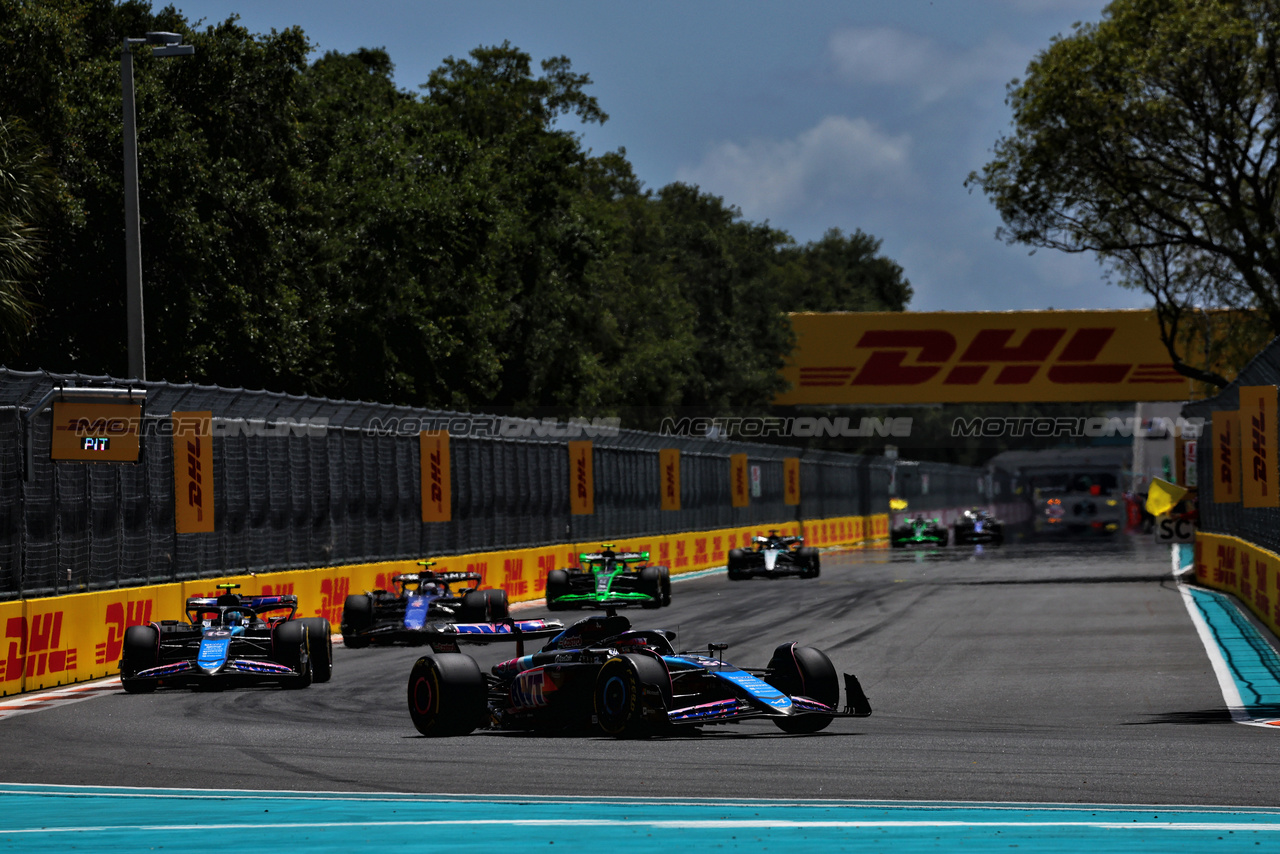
[(1257, 525), (309, 482)]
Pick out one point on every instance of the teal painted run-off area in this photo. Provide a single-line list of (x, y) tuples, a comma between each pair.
[(36, 818), (1250, 658)]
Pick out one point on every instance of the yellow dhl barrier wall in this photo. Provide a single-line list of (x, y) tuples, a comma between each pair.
[(59, 640), (1249, 572)]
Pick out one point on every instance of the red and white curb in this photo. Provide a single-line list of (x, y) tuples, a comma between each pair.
[(21, 704)]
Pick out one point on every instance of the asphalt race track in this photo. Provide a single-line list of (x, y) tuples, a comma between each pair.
[(1033, 672)]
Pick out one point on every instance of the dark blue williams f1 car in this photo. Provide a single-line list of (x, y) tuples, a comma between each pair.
[(628, 683), (416, 600), (228, 641)]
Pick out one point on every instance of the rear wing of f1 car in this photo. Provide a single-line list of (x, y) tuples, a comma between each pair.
[(446, 637)]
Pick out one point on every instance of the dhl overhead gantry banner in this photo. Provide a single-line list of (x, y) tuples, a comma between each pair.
[(979, 357)]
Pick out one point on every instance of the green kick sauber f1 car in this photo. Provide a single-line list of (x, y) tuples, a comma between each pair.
[(609, 579), (920, 532)]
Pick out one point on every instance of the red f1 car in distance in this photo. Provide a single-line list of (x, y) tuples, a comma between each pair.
[(628, 683), (419, 598)]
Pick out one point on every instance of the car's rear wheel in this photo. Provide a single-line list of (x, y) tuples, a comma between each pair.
[(140, 651), (447, 694), (620, 695), (319, 647), (357, 618), (499, 609), (666, 585), (651, 587), (289, 647), (807, 672), (557, 586)]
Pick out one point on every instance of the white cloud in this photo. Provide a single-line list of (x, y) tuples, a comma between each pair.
[(839, 158), (893, 57)]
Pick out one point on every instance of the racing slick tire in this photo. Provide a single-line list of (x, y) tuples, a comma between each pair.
[(625, 687), (650, 585), (319, 647), (289, 646), (557, 586), (141, 645), (447, 694), (808, 672), (734, 567), (666, 585), (810, 562), (357, 618), (484, 606), (499, 609)]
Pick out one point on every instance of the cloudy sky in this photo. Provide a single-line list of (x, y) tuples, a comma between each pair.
[(811, 115)]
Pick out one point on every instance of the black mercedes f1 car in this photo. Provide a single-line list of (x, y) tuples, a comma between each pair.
[(626, 682), (228, 641), (773, 556), (418, 598)]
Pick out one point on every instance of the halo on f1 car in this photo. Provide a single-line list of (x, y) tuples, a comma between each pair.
[(400, 615), (630, 683), (609, 579), (229, 640), (773, 556)]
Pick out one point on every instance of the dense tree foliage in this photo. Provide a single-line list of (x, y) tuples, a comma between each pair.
[(1150, 138), (310, 227)]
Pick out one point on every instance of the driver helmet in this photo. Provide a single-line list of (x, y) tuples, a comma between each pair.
[(233, 617)]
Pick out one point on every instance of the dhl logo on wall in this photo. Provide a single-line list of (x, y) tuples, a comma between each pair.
[(1250, 573), (979, 357), (57, 641)]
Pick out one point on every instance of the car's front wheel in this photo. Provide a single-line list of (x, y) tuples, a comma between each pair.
[(807, 672)]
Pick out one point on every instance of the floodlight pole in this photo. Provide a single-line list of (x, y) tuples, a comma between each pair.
[(168, 45)]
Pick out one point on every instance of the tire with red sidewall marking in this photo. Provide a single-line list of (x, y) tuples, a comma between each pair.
[(447, 694), (807, 672)]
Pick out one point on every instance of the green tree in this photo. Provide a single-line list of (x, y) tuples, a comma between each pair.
[(27, 188), (1149, 138), (840, 273)]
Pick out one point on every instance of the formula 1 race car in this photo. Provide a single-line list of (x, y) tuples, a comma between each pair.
[(228, 641), (628, 683), (609, 579), (773, 557), (418, 598), (977, 526), (919, 532)]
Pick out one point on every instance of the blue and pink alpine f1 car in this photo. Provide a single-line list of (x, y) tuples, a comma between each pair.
[(627, 682), (228, 640)]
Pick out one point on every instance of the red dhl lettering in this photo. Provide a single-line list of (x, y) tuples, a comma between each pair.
[(513, 580), (671, 480), (333, 594), (1260, 450), (282, 589), (118, 617), (546, 563), (32, 649), (582, 476), (890, 361), (1225, 472), (195, 493), (482, 567), (437, 479)]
